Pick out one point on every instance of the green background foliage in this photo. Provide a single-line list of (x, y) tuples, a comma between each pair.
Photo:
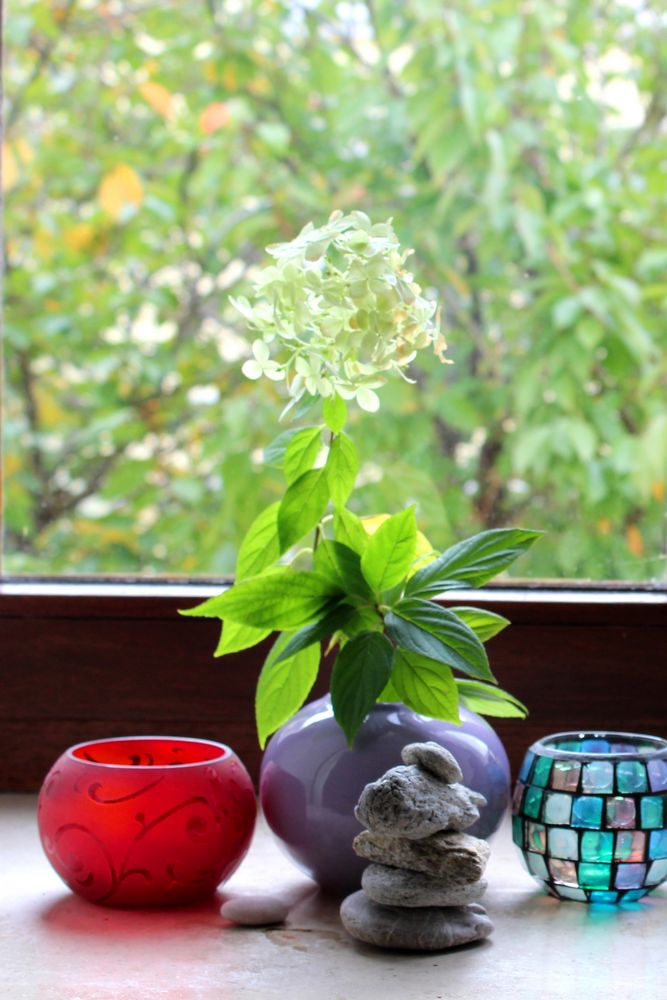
[(152, 150)]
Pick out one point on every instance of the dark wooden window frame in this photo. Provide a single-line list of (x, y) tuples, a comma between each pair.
[(88, 659)]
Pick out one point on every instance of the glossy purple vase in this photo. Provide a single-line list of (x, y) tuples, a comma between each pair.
[(310, 780)]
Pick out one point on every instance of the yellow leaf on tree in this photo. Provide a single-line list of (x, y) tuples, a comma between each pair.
[(658, 490), (10, 170), (158, 97), (79, 237), (120, 188), (215, 116), (635, 542), (605, 525)]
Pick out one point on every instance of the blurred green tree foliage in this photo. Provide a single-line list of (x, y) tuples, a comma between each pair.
[(152, 149)]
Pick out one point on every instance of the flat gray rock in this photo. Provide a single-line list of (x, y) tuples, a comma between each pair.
[(255, 911), (400, 887), (433, 758), (429, 928), (457, 858), (409, 802)]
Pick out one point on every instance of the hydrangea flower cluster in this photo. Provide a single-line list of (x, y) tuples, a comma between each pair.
[(337, 311)]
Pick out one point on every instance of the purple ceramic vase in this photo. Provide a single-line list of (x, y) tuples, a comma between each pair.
[(310, 780)]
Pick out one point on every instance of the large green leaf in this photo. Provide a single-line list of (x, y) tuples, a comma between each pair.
[(341, 469), (283, 599), (426, 628), (360, 673), (488, 700), (301, 452), (302, 507), (472, 562), (283, 685), (426, 686), (342, 566), (390, 551), (349, 530), (334, 412), (235, 637), (485, 624), (261, 545), (319, 630)]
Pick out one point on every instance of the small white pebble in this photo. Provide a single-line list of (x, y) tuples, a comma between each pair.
[(255, 911)]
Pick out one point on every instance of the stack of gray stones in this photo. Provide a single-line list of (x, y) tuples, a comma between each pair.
[(422, 890)]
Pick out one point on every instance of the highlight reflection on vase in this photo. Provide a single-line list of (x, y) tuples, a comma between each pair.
[(146, 821)]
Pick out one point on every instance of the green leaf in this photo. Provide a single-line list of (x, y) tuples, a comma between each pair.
[(364, 619), (284, 599), (472, 562), (235, 637), (489, 700), (340, 565), (260, 546), (283, 686), (319, 630), (389, 692), (274, 453), (341, 469), (334, 412), (360, 673), (425, 686), (349, 530), (485, 624), (390, 551), (301, 452), (302, 507), (424, 627)]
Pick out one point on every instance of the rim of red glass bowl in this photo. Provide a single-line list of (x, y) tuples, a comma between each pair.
[(658, 750), (225, 751)]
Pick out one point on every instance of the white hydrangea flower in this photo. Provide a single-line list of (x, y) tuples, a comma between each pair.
[(340, 311)]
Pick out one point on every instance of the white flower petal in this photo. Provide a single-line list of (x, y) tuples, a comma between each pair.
[(274, 372), (368, 400), (251, 369), (261, 351)]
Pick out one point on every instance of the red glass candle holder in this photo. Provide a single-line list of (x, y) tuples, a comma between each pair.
[(146, 820)]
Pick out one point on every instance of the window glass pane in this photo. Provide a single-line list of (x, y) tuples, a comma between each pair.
[(151, 151)]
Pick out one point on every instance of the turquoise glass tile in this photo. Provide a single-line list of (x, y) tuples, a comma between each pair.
[(657, 775), (536, 865), (597, 846), (633, 895), (657, 872), (603, 897), (630, 845), (652, 812), (598, 777), (536, 837), (657, 844), (541, 771), (563, 872), (557, 808), (592, 876), (517, 831), (532, 802), (526, 766), (621, 813), (567, 893), (587, 812), (630, 876), (631, 777), (563, 843), (565, 776)]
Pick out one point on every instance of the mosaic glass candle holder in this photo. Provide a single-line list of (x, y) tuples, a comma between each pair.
[(146, 820), (589, 815)]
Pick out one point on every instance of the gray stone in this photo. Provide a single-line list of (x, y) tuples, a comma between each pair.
[(400, 887), (433, 758), (409, 802), (456, 857), (429, 928), (255, 911)]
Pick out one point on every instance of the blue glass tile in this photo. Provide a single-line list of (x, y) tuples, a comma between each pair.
[(557, 808), (541, 771), (657, 872), (597, 846), (598, 777), (633, 895), (587, 812), (564, 892), (630, 876), (532, 802), (563, 872), (652, 812), (594, 745), (536, 865), (603, 897), (595, 876), (517, 831), (526, 766), (657, 775), (536, 837), (631, 777), (563, 843), (658, 844), (621, 813)]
